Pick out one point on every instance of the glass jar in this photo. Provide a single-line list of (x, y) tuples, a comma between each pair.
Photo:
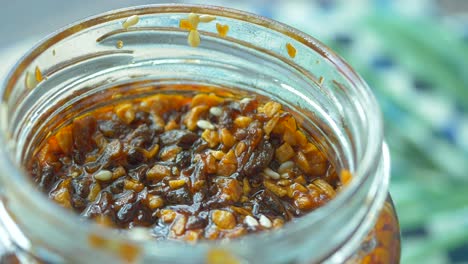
[(85, 66)]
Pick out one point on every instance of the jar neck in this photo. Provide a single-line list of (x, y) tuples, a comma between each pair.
[(370, 200), (317, 85)]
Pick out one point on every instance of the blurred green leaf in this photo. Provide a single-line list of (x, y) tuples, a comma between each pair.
[(411, 128), (427, 50), (429, 177)]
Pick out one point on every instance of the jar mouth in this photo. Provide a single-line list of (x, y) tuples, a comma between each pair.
[(365, 167)]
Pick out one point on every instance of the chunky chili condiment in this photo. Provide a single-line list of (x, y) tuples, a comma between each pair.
[(187, 166)]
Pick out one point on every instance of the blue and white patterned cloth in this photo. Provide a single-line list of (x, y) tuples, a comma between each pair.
[(416, 62)]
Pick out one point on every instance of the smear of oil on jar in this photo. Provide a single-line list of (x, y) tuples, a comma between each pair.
[(382, 244)]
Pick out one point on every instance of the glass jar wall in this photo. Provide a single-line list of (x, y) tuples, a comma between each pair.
[(87, 64)]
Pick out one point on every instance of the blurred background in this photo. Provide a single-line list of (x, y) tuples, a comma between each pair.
[(413, 54)]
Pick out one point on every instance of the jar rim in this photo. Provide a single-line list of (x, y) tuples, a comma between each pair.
[(366, 165)]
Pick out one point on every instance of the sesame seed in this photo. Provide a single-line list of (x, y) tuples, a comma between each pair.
[(207, 18), (250, 221), (203, 124), (144, 104), (103, 175), (285, 166), (130, 21), (216, 111), (245, 100), (194, 19), (285, 176), (321, 79), (271, 174), (119, 44), (194, 38), (265, 222), (140, 233), (30, 80)]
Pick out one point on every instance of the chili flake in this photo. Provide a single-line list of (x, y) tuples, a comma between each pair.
[(291, 50)]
